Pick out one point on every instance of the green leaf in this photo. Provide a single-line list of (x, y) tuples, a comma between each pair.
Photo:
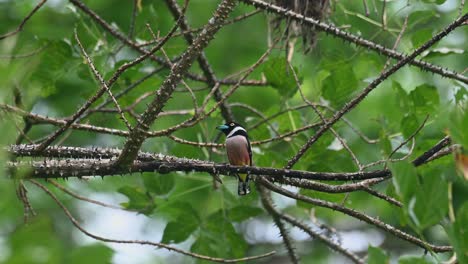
[(179, 231), (219, 238), (425, 201), (422, 17), (377, 256), (96, 253), (178, 210), (402, 99), (409, 124), (404, 180), (137, 199), (242, 213), (425, 98), (413, 260), (52, 67), (158, 184), (280, 76), (206, 246), (458, 125), (316, 83), (331, 197), (184, 221), (430, 204), (461, 95), (37, 236), (421, 36), (384, 143), (458, 233), (339, 85)]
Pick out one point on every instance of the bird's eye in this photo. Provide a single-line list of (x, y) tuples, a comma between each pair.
[(232, 124)]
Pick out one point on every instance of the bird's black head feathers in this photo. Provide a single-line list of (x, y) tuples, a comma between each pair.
[(232, 129)]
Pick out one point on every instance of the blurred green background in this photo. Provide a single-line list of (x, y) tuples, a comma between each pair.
[(185, 209)]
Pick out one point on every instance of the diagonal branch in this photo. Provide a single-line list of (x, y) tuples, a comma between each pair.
[(356, 214), (137, 135), (202, 60), (355, 101), (23, 22), (267, 202), (330, 243), (101, 81), (120, 36), (333, 30)]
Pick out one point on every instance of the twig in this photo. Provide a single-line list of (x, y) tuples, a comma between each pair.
[(267, 202), (22, 194), (86, 199), (366, 9), (136, 138), (25, 55), (101, 81), (355, 101), (375, 163), (409, 138), (330, 243), (257, 112), (353, 213), (140, 242), (202, 60), (135, 46), (428, 154), (397, 41), (284, 136), (126, 90), (197, 30), (324, 120), (23, 22), (330, 29)]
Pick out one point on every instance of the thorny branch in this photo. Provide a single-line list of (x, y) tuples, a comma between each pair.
[(137, 135), (333, 30), (355, 101), (50, 162), (267, 202)]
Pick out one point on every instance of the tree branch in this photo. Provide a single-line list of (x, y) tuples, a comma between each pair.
[(353, 213), (23, 22), (333, 30), (137, 135), (202, 60), (355, 101), (265, 196), (140, 242)]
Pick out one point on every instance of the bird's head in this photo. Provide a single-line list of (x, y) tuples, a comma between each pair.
[(228, 127)]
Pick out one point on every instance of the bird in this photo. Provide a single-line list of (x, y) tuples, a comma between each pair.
[(238, 151)]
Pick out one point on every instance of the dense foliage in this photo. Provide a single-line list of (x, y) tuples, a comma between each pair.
[(403, 203)]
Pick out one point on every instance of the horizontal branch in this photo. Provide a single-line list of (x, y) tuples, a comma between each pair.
[(78, 162), (60, 168), (24, 150)]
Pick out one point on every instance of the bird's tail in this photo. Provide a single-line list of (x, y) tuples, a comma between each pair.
[(243, 188)]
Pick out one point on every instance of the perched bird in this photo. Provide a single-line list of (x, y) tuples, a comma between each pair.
[(238, 151)]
